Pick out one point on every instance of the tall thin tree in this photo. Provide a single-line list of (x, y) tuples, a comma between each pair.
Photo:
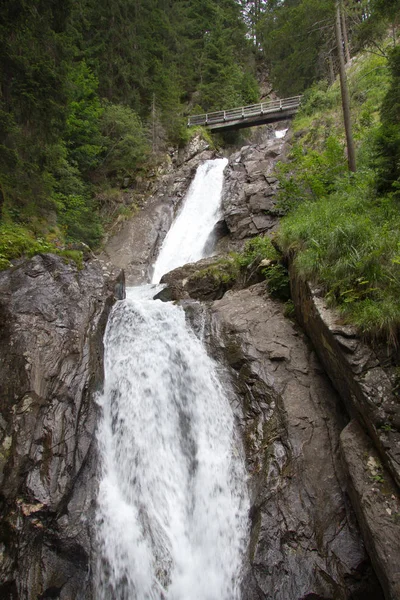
[(351, 155)]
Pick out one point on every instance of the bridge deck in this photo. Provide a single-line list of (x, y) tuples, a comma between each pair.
[(248, 116)]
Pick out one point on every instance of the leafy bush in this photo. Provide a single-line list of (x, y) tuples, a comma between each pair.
[(17, 241), (82, 135), (310, 174), (260, 249), (79, 219), (124, 139), (257, 249)]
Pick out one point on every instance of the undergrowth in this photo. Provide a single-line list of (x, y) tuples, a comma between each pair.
[(17, 241), (342, 232), (258, 255)]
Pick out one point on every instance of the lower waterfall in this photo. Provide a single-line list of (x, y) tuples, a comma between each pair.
[(172, 517)]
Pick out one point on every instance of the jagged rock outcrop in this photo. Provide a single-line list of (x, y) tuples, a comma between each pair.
[(369, 392), (305, 542), (134, 247), (249, 193), (52, 319)]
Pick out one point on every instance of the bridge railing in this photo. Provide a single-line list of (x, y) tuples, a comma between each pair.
[(254, 110)]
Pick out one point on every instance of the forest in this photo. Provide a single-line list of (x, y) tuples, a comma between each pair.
[(93, 93)]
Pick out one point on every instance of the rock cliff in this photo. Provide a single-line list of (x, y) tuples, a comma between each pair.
[(52, 319)]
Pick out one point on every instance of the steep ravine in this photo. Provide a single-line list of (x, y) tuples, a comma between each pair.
[(304, 528), (306, 539)]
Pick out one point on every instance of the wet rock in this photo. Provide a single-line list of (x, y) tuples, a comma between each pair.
[(367, 388), (376, 501), (52, 319), (305, 542)]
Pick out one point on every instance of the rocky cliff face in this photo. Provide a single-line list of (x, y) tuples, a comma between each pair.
[(370, 444), (248, 201), (52, 319), (305, 540), (324, 494), (306, 458)]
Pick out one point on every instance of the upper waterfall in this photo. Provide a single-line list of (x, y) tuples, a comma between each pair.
[(187, 238)]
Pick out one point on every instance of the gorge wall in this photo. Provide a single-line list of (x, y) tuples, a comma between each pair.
[(52, 319), (324, 508), (306, 459)]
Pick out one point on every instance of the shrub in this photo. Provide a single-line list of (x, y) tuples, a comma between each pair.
[(124, 139)]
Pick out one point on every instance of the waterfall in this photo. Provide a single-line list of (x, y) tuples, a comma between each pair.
[(173, 503), (189, 233)]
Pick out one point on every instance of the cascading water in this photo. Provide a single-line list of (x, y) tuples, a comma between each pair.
[(173, 504), (189, 233)]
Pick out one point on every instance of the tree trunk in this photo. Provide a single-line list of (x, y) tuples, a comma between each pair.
[(331, 69), (345, 37), (351, 156)]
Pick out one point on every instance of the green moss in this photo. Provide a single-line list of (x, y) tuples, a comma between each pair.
[(75, 256), (17, 241), (226, 270)]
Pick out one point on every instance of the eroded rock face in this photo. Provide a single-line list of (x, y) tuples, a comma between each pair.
[(369, 393), (135, 246), (305, 542), (377, 504), (52, 319), (249, 193)]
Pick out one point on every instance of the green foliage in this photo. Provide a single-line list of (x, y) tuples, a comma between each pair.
[(17, 241), (92, 90), (350, 243), (79, 219), (257, 249), (342, 234), (82, 133), (311, 174), (125, 145), (388, 136), (294, 41), (225, 270)]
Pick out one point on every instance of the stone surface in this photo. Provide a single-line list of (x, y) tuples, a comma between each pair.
[(195, 280), (52, 319), (248, 200), (305, 542), (367, 388), (376, 500)]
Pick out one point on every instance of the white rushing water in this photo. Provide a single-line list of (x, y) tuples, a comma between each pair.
[(187, 238), (172, 507), (280, 133)]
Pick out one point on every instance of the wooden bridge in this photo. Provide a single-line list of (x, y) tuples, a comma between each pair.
[(248, 116)]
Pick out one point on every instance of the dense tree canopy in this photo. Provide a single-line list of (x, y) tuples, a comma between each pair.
[(83, 82), (91, 89)]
